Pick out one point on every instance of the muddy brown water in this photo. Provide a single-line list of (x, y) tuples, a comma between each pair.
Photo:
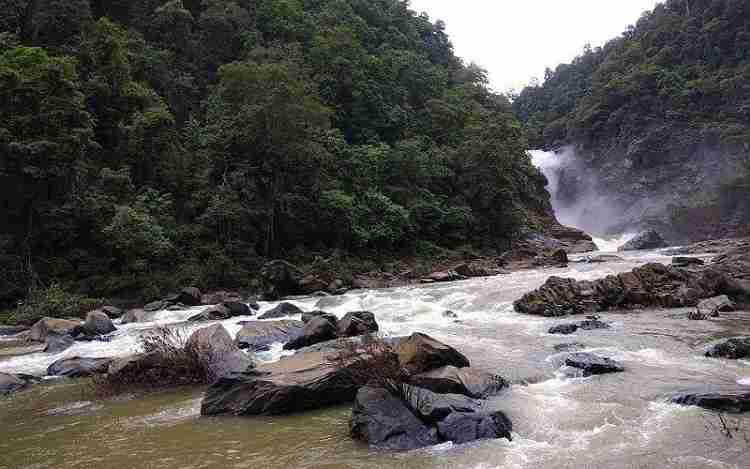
[(612, 421)]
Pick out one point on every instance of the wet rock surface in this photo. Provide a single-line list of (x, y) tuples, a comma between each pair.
[(78, 367), (647, 286), (466, 381), (259, 335), (735, 348), (647, 240), (281, 311), (735, 401), (591, 364)]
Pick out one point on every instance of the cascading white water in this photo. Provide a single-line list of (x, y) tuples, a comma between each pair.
[(576, 215)]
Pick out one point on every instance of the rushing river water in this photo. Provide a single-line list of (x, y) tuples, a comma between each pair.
[(611, 421)]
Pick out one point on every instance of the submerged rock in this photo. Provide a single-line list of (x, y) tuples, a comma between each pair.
[(564, 329), (258, 335), (646, 240), (735, 348), (686, 261), (11, 383), (420, 353), (735, 401), (569, 347), (281, 311), (593, 324), (467, 381), (12, 330), (592, 364), (78, 367), (383, 421)]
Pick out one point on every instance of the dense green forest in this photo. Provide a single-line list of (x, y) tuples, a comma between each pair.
[(675, 85), (150, 144)]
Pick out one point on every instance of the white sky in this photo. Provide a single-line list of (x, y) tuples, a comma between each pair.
[(516, 40)]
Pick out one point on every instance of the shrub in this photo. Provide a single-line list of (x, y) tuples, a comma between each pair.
[(52, 301), (168, 360)]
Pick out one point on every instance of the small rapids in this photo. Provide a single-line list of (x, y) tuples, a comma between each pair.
[(612, 421)]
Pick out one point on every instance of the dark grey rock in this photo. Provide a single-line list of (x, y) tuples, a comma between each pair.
[(383, 421), (318, 329), (357, 323), (646, 240), (569, 347), (466, 381), (215, 313), (237, 308), (736, 348), (217, 351), (78, 367), (466, 427), (592, 364), (57, 343), (735, 401), (98, 323), (564, 329), (281, 311), (593, 324), (258, 335)]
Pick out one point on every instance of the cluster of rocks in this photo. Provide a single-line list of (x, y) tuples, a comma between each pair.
[(281, 279), (649, 285), (60, 334), (438, 399)]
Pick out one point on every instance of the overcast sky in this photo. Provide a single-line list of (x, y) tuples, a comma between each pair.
[(516, 40)]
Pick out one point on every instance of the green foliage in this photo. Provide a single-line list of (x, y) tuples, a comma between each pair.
[(164, 141), (54, 302)]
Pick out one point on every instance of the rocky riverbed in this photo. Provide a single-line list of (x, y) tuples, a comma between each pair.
[(542, 400)]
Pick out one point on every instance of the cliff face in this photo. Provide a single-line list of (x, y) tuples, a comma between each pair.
[(655, 124)]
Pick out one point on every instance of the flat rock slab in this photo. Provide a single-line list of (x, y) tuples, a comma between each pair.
[(258, 335), (78, 367), (304, 381), (592, 364), (735, 401)]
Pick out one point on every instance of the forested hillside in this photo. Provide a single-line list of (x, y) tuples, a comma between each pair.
[(665, 108), (151, 144)]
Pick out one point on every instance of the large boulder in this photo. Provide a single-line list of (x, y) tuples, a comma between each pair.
[(357, 323), (57, 343), (467, 381), (304, 381), (420, 353), (318, 329), (591, 364), (460, 427), (383, 421), (734, 400), (98, 323), (282, 310), (647, 240), (78, 367), (137, 315), (10, 383), (218, 352), (46, 326), (478, 268), (736, 348), (215, 313), (259, 335), (281, 279)]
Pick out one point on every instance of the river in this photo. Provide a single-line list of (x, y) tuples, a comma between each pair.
[(610, 421)]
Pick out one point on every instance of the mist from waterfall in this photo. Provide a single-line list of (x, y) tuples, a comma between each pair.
[(590, 211)]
